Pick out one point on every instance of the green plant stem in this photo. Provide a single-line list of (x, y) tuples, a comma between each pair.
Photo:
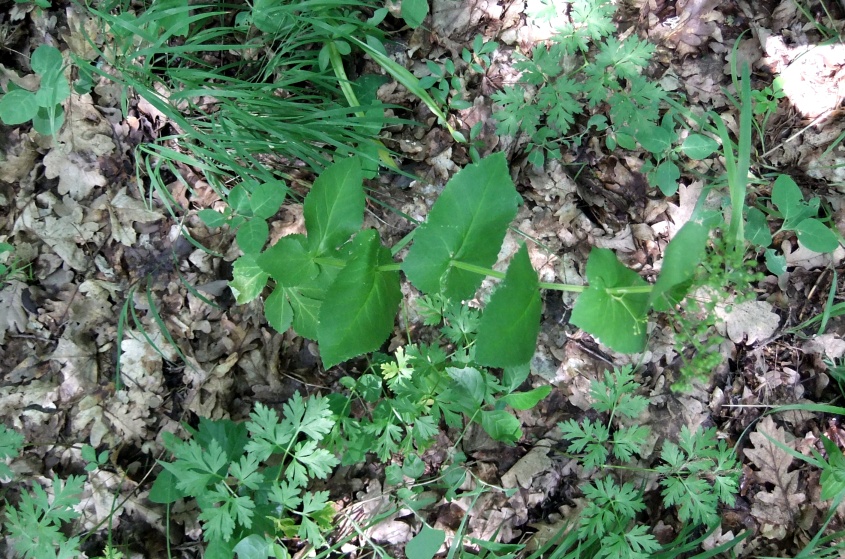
[(352, 99), (501, 275), (553, 286)]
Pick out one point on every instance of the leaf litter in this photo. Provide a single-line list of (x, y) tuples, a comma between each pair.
[(80, 216)]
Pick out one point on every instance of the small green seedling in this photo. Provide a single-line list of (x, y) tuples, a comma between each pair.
[(249, 206), (44, 106), (93, 459), (478, 58), (798, 215), (444, 85)]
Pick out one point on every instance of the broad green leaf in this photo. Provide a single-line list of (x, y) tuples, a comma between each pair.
[(252, 547), (306, 312), (45, 123), (267, 198), (655, 139), (698, 146), (681, 260), (252, 236), (467, 223), (775, 263), (814, 235), (334, 209), (414, 12), (239, 200), (278, 311), (501, 426), (18, 106), (289, 262), (470, 384), (513, 377), (507, 335), (212, 218), (425, 544), (54, 89), (46, 58), (360, 306), (790, 202), (164, 489), (617, 319), (248, 279), (757, 228), (665, 177), (526, 400)]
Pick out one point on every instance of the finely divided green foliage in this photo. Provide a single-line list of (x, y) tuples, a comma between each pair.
[(249, 480), (34, 526), (696, 475)]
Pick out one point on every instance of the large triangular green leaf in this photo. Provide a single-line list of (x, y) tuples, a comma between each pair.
[(507, 335), (618, 320), (358, 312), (682, 258), (334, 209), (289, 262), (467, 223)]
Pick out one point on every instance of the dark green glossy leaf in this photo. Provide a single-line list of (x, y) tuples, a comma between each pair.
[(359, 309), (507, 335), (467, 223), (289, 262)]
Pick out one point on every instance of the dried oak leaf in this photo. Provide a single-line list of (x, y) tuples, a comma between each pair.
[(13, 317), (775, 508)]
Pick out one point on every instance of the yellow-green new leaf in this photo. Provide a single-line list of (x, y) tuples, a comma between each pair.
[(248, 279), (507, 335), (357, 314)]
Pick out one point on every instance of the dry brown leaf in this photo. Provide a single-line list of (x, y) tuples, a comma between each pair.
[(776, 508), (13, 317), (751, 321)]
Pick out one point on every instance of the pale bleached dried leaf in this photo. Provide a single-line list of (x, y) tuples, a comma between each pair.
[(78, 359), (779, 506), (123, 212), (751, 321), (13, 316), (529, 466)]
